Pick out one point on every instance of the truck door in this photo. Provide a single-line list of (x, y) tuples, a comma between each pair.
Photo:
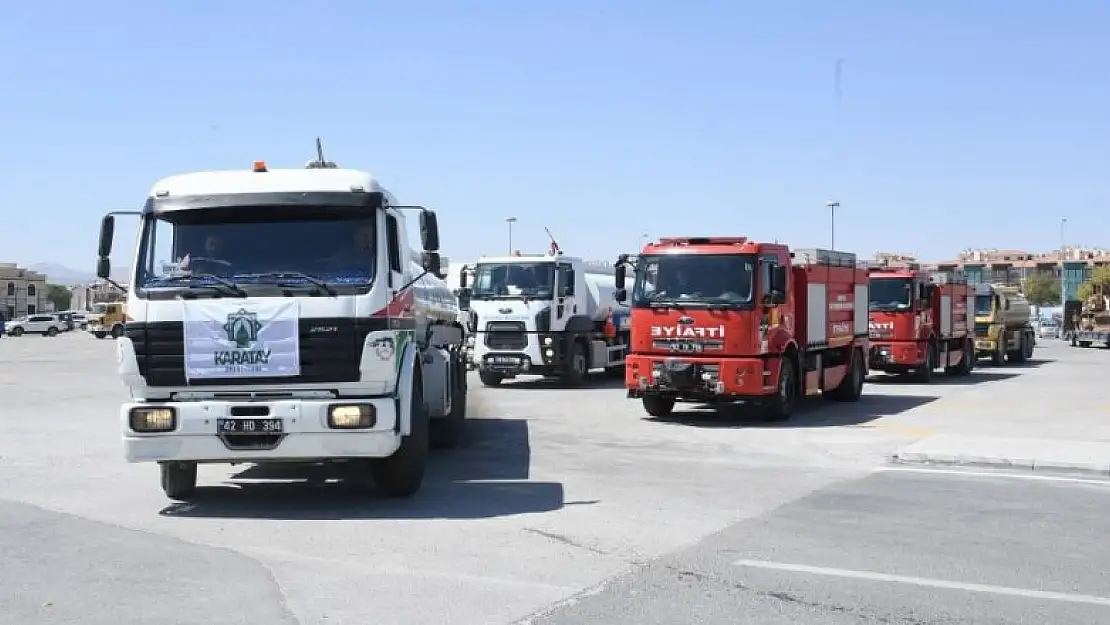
[(565, 301)]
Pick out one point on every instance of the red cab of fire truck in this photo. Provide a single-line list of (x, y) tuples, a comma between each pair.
[(718, 320), (919, 322)]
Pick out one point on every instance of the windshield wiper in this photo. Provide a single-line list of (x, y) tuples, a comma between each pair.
[(314, 280), (235, 289)]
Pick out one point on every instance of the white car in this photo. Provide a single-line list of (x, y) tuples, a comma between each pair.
[(46, 325), (1049, 331)]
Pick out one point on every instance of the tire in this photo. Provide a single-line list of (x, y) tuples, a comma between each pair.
[(100, 335), (658, 405), (52, 331), (117, 331), (1018, 355), (448, 432), (490, 378), (17, 331), (851, 387), (401, 474), (924, 373), (179, 479), (578, 366), (781, 406), (1030, 345), (998, 358)]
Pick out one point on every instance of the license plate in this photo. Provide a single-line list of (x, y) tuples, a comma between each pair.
[(249, 426)]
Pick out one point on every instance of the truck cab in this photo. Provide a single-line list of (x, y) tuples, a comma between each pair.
[(279, 315), (542, 314)]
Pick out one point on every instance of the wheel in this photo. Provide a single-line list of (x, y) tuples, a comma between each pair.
[(52, 331), (924, 373), (578, 366), (1018, 355), (1030, 345), (84, 326), (117, 331), (100, 335), (179, 479), (658, 405), (780, 407), (447, 433), (401, 474), (490, 378), (17, 331), (851, 387), (998, 358)]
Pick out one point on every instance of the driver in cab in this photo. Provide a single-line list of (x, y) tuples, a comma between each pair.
[(358, 253)]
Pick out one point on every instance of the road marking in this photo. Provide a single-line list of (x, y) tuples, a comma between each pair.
[(927, 582), (1012, 476)]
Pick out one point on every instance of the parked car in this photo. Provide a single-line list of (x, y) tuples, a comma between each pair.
[(1048, 331), (46, 325)]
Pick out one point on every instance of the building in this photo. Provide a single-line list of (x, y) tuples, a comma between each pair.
[(22, 291), (1015, 266), (83, 296)]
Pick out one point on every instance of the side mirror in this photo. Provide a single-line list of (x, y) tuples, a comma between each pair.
[(923, 291), (430, 261), (620, 295), (429, 231), (104, 267), (107, 232), (568, 288), (463, 296), (778, 297), (621, 269), (778, 279), (462, 276)]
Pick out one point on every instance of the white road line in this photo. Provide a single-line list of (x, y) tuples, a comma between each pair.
[(925, 581), (1000, 473)]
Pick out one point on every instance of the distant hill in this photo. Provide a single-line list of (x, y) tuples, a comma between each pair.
[(60, 274)]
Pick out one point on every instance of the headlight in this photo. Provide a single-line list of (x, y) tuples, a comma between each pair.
[(352, 416), (152, 419), (547, 340)]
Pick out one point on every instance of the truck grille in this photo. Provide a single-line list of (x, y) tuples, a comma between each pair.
[(506, 335), (325, 356)]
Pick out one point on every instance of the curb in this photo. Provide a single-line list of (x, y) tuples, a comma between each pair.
[(1048, 467)]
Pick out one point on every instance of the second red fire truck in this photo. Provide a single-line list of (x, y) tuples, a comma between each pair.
[(919, 322), (723, 319)]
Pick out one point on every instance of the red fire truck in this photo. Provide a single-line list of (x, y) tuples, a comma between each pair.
[(718, 320), (919, 321)]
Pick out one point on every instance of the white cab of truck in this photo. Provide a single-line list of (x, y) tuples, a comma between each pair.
[(547, 314), (280, 316)]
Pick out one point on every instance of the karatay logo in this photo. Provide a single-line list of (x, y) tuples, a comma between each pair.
[(242, 328)]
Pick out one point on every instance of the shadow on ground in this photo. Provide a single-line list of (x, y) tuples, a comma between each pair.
[(813, 412), (977, 377), (596, 382), (486, 477)]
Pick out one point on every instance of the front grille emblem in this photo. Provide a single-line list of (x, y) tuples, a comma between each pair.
[(686, 320)]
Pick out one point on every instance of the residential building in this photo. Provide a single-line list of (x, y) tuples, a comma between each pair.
[(1015, 266), (83, 296), (22, 291)]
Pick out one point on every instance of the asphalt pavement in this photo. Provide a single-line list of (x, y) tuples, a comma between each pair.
[(562, 501)]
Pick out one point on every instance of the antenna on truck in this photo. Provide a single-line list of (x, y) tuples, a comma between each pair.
[(320, 163)]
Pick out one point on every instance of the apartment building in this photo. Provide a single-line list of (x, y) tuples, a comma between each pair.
[(83, 296), (22, 291), (1073, 263)]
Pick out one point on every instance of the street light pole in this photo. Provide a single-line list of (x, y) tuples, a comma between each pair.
[(833, 205), (1063, 288), (510, 221)]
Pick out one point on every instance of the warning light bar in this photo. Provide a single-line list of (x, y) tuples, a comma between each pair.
[(259, 166)]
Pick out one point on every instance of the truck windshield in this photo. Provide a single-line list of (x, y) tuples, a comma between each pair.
[(697, 279), (99, 309), (257, 245), (513, 280), (891, 293), (982, 304)]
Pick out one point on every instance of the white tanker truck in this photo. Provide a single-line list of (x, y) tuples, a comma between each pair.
[(545, 314), (277, 316)]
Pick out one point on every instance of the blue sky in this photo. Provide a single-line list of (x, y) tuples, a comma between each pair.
[(958, 123)]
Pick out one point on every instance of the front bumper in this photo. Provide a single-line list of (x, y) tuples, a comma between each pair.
[(700, 378), (893, 355), (306, 435)]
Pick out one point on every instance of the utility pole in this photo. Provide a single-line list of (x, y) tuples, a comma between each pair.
[(1063, 287), (832, 206), (510, 221)]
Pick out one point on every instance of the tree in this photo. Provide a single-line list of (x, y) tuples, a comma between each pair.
[(1042, 289), (1099, 277), (58, 295)]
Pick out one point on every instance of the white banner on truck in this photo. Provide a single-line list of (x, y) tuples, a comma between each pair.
[(241, 338)]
